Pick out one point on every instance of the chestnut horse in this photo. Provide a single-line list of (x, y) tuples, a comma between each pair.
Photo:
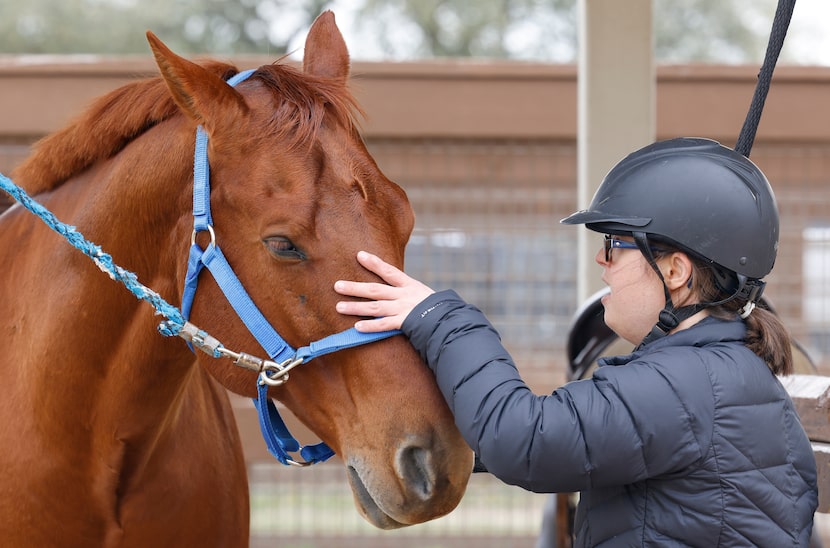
[(113, 435)]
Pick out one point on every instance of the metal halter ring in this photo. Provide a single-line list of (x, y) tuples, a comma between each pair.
[(303, 464), (279, 370), (212, 236)]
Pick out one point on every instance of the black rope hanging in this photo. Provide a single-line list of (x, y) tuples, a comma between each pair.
[(780, 24)]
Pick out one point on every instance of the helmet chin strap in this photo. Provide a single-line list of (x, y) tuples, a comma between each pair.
[(671, 316)]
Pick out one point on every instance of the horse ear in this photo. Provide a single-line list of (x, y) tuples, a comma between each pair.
[(325, 50), (201, 94)]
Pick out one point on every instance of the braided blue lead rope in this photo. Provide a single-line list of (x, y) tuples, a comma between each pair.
[(103, 260)]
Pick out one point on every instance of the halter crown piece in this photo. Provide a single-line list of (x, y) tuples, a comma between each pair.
[(279, 440)]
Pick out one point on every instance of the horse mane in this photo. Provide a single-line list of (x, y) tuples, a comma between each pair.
[(113, 120)]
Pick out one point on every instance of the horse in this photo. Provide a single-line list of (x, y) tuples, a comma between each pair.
[(116, 436)]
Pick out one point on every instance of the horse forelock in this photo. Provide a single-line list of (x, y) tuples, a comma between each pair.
[(302, 102)]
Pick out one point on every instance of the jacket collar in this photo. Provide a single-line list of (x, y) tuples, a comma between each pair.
[(707, 331)]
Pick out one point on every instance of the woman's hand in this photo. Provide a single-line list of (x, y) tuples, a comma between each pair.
[(389, 305)]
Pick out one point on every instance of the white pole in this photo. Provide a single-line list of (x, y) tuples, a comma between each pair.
[(615, 105)]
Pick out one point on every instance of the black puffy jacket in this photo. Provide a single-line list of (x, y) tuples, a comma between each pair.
[(690, 441)]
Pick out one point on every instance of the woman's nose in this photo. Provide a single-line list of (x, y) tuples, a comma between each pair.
[(600, 257)]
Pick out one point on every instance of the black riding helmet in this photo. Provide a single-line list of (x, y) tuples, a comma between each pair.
[(701, 197)]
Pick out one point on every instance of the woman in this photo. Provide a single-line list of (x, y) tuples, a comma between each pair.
[(689, 440)]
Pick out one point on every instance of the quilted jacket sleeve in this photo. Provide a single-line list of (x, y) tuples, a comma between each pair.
[(584, 435)]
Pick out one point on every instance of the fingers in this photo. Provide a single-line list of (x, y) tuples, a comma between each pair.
[(377, 324), (362, 308), (389, 305), (386, 271), (386, 314), (364, 290)]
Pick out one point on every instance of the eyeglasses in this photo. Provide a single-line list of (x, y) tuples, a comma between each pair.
[(612, 242)]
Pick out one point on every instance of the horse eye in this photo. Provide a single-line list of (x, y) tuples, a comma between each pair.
[(283, 248)]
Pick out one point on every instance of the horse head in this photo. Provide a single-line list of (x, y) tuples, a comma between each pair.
[(294, 195)]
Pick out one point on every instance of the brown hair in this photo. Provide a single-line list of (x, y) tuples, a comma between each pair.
[(766, 335)]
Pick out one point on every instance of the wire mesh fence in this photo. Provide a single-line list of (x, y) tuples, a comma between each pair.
[(293, 508), (488, 226)]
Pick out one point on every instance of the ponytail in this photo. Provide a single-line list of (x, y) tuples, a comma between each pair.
[(766, 335)]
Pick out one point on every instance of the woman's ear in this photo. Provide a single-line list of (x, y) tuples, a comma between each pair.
[(677, 270)]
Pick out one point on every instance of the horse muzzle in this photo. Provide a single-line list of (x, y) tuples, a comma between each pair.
[(420, 482)]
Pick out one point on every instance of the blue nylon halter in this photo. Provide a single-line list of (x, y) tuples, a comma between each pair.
[(279, 440)]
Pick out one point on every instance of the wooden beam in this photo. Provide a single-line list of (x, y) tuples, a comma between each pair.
[(811, 396), (812, 402)]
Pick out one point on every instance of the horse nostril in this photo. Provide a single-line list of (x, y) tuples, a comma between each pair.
[(414, 467)]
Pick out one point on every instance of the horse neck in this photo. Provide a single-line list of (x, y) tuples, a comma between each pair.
[(135, 206)]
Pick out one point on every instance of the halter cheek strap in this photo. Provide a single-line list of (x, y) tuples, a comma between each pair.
[(279, 440)]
